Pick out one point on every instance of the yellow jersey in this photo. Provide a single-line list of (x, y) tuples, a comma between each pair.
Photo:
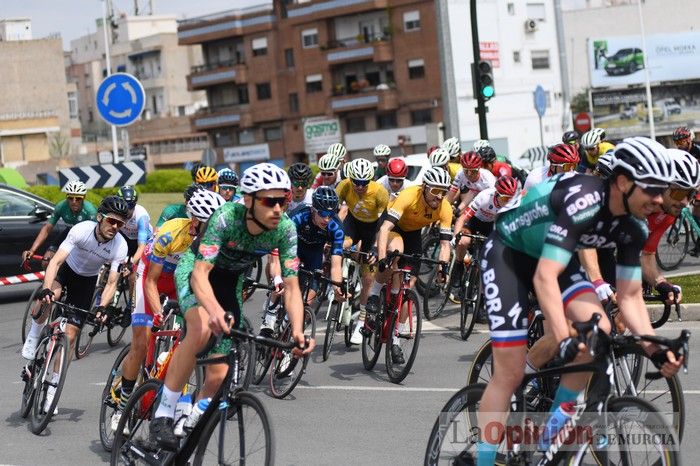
[(453, 168), (410, 212), (603, 147), (171, 241), (367, 208)]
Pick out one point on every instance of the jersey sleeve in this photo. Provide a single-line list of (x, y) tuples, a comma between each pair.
[(337, 234), (299, 216), (73, 238), (629, 246), (287, 247), (655, 235), (165, 215), (479, 200), (445, 220), (212, 240), (119, 256), (144, 229)]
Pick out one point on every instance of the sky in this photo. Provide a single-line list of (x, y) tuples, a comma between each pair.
[(75, 18)]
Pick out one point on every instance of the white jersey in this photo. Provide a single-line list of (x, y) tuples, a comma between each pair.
[(536, 176), (306, 201), (384, 181), (86, 255), (486, 180), (131, 227), (484, 207)]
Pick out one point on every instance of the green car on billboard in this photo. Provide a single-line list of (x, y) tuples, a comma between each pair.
[(625, 61)]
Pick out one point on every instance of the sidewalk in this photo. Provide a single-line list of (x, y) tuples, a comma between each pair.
[(688, 311)]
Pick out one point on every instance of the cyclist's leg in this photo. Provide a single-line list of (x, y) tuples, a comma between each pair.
[(312, 259), (40, 314)]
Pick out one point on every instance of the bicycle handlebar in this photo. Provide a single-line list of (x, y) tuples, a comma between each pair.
[(680, 347), (415, 257), (319, 274)]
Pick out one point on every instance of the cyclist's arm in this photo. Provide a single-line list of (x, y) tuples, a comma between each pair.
[(589, 262), (466, 199), (652, 275), (41, 237), (445, 231), (110, 288), (144, 231), (150, 285), (383, 238), (56, 262), (549, 295)]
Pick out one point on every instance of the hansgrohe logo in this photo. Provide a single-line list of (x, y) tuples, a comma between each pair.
[(527, 218)]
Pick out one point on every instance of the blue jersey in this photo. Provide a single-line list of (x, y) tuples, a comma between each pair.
[(310, 234)]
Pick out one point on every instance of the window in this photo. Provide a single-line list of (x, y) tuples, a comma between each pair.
[(309, 38), (314, 83), (540, 59), (224, 138), (355, 124), (421, 117), (180, 110), (386, 121), (511, 9), (411, 21), (243, 94), (289, 57), (536, 11), (373, 78), (273, 134), (15, 205), (516, 56), (263, 90), (246, 136), (293, 103), (72, 105), (259, 46), (416, 69)]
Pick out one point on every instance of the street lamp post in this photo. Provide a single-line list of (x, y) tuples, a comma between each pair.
[(115, 147), (647, 78)]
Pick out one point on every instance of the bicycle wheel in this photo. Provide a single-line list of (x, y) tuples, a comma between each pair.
[(285, 370), (471, 302), (674, 245), (58, 359), (27, 319), (263, 358), (83, 341), (406, 335), (115, 332), (29, 376), (372, 343), (330, 329), (481, 369), (629, 418), (431, 250), (110, 400), (248, 431), (435, 295), (138, 414), (246, 357)]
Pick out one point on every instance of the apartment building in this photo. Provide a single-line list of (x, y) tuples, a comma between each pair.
[(365, 70)]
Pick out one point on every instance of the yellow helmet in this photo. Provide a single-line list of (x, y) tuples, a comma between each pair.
[(206, 175)]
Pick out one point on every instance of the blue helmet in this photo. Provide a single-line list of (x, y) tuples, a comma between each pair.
[(228, 176), (325, 198)]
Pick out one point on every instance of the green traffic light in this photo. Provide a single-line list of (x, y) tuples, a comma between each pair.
[(487, 91)]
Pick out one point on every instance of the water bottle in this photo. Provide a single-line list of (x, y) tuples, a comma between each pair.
[(183, 409), (196, 413), (554, 424), (161, 360)]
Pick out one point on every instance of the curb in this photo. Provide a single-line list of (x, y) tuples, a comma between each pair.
[(689, 311)]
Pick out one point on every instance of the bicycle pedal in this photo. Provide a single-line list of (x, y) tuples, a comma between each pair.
[(366, 332), (25, 375)]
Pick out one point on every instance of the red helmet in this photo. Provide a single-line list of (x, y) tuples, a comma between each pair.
[(506, 186), (432, 149), (681, 133), (397, 168), (470, 160), (563, 153)]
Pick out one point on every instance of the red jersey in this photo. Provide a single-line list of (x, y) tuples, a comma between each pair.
[(658, 224), (500, 169)]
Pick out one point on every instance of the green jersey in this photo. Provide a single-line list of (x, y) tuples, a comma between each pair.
[(170, 212), (63, 211)]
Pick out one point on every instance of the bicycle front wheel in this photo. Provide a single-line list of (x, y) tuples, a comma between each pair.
[(27, 319), (674, 245), (110, 400), (471, 302), (405, 332), (481, 369), (116, 332), (330, 329), (29, 376), (83, 341), (48, 384), (435, 295), (286, 370), (248, 431)]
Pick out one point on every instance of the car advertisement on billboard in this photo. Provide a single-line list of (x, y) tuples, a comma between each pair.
[(625, 113), (619, 61)]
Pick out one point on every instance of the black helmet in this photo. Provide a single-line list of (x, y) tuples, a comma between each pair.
[(191, 189), (325, 198), (195, 166), (299, 172), (487, 154), (114, 205), (569, 136)]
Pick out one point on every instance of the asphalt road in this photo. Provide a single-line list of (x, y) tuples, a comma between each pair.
[(339, 414)]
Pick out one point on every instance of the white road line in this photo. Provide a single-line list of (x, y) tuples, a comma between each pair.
[(361, 388)]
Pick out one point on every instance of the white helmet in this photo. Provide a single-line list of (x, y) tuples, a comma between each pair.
[(687, 169), (75, 188), (452, 147), (203, 203), (264, 176), (592, 138), (437, 177), (329, 162), (338, 150), (382, 150), (644, 159), (439, 157), (480, 144), (361, 169)]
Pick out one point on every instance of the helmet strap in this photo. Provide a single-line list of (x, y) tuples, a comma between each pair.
[(626, 196), (251, 215)]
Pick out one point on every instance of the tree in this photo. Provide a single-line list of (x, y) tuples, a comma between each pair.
[(579, 102)]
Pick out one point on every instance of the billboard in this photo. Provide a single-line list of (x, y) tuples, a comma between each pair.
[(619, 61), (256, 152), (624, 112), (319, 133)]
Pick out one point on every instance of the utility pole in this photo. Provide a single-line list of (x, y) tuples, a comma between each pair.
[(449, 89), (481, 107)]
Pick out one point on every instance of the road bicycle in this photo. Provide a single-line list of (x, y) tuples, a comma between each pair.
[(31, 302), (245, 433), (456, 432), (399, 319), (677, 241), (472, 298)]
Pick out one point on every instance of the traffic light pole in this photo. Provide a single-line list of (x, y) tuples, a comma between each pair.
[(481, 103)]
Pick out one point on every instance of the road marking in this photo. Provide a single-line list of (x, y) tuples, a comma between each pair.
[(360, 388)]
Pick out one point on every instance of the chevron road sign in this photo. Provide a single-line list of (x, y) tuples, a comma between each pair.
[(105, 176)]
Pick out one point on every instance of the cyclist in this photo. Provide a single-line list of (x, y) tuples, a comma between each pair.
[(604, 167), (451, 145), (470, 181), (381, 156), (317, 225), (395, 179), (329, 175), (73, 209), (300, 175), (415, 208), (562, 158), (572, 138), (177, 210), (492, 164), (193, 171), (155, 275), (207, 178), (480, 143), (593, 145), (75, 267), (440, 158), (366, 201), (683, 138), (209, 282), (137, 228), (228, 182), (565, 213)]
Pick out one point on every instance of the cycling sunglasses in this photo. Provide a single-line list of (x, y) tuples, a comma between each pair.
[(227, 187), (503, 199), (300, 184), (567, 167), (211, 184), (271, 202), (324, 213), (652, 190), (327, 173), (437, 192), (115, 222), (360, 183), (678, 194), (471, 171), (75, 198), (396, 180)]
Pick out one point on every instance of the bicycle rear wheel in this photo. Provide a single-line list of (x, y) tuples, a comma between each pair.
[(29, 376), (471, 302), (406, 335), (248, 431), (481, 369), (46, 380), (285, 370), (27, 319), (115, 332), (674, 245), (246, 356), (372, 344), (435, 295), (330, 329), (431, 250), (110, 400), (83, 341)]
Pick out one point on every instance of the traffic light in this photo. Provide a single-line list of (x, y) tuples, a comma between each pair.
[(483, 80)]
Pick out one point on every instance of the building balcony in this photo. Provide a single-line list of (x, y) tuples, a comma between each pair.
[(382, 98), (221, 116), (210, 74), (224, 24), (323, 9), (376, 48)]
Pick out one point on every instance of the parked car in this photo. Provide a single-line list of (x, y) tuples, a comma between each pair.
[(22, 215), (624, 61)]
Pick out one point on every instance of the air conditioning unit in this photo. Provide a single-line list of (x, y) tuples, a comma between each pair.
[(530, 25)]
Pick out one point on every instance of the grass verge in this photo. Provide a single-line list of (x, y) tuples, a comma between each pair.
[(155, 202), (690, 285)]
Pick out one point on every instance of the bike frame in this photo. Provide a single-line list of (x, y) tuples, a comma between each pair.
[(388, 308)]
